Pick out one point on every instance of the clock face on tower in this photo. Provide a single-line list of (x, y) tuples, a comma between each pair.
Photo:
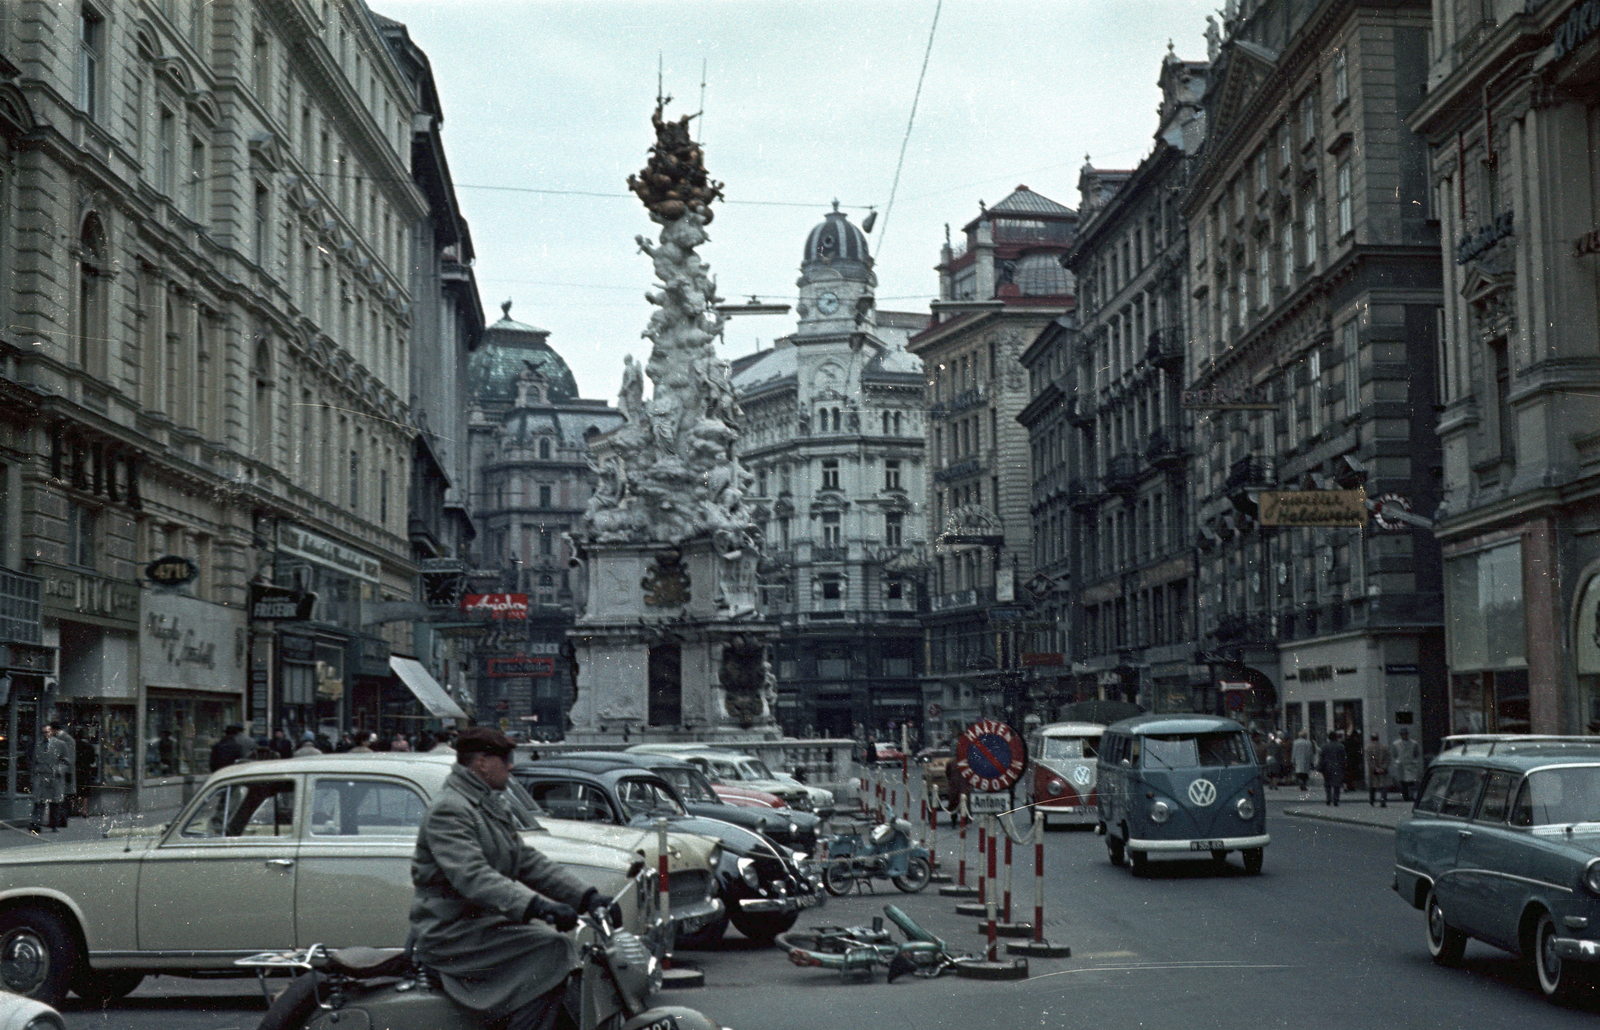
[(828, 303)]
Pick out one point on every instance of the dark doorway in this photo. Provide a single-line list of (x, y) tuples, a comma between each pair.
[(666, 685)]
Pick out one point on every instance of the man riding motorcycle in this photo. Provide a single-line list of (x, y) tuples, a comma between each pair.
[(476, 917)]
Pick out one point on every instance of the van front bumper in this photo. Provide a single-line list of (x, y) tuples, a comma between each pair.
[(1206, 844)]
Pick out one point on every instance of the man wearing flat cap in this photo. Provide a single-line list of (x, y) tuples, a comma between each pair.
[(483, 895)]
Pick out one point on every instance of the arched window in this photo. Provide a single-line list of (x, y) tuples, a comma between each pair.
[(897, 423), (261, 415), (544, 450), (202, 376), (92, 269)]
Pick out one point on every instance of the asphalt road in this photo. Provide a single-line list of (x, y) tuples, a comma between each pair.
[(1317, 941)]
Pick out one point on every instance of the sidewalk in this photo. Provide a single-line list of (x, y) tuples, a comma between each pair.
[(94, 827), (1353, 808)]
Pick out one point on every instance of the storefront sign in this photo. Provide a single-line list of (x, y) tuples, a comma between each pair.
[(1042, 658), (1474, 244), (370, 655), (1313, 508), (522, 665), (67, 593), (1576, 28), (267, 602), (187, 642), (293, 647), (1400, 669), (303, 543), (171, 571), (497, 606), (1238, 398)]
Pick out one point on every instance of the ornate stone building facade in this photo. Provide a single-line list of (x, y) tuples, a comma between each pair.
[(205, 216), (833, 434), (997, 291), (528, 436), (1511, 117), (1112, 502), (1314, 268)]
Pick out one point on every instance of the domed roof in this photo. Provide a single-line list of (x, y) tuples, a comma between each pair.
[(1041, 275), (507, 350), (838, 244)]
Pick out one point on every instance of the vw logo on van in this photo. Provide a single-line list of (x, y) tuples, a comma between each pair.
[(1202, 792), (1081, 775)]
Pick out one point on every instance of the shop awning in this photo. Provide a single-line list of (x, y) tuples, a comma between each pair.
[(426, 689)]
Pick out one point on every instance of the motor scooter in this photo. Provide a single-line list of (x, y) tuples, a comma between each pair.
[(886, 854), (608, 989)]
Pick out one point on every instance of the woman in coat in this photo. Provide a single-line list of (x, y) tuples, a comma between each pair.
[(49, 782), (1300, 756), (478, 890)]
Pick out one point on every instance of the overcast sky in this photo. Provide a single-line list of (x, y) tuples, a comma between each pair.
[(804, 103)]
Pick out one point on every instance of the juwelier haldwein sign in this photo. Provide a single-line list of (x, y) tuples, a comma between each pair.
[(1313, 508)]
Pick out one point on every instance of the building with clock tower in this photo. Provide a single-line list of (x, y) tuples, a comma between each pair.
[(834, 436)]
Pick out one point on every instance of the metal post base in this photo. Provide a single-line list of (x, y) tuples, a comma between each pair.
[(980, 969), (1038, 949)]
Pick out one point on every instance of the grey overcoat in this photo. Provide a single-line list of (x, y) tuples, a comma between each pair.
[(474, 876), (49, 778)]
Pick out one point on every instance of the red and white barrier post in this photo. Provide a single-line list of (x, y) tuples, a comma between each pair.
[(961, 870), (1006, 908), (1038, 879), (663, 893), (993, 936)]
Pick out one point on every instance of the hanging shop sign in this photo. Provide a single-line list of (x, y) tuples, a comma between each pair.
[(1313, 508), (496, 606), (268, 602), (171, 570), (84, 596)]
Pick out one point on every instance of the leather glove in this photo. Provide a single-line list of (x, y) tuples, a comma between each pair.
[(594, 902), (562, 917)]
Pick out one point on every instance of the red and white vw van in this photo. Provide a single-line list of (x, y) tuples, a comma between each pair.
[(1061, 772)]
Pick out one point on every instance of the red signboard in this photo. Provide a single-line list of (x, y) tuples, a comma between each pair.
[(522, 665), (496, 606), (990, 757), (1043, 658)]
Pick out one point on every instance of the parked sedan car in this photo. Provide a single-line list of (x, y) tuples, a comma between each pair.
[(788, 827), (763, 886), (1504, 846), (271, 856), (744, 797), (722, 765)]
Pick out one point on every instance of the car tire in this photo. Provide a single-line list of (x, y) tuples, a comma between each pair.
[(1557, 979), (1139, 862), (100, 988), (1219, 858), (918, 874), (838, 879), (293, 1008), (1445, 943), (37, 954), (1253, 858), (1114, 849), (762, 927)]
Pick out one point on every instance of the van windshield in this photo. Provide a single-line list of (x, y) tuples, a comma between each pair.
[(1196, 750), (1055, 748)]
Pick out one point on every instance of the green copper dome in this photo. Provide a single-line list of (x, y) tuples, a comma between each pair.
[(507, 349)]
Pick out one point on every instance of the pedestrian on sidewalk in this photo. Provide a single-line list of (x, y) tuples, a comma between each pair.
[(1331, 762), (308, 745), (1378, 759), (49, 785), (229, 749), (66, 750), (1405, 758), (1300, 758)]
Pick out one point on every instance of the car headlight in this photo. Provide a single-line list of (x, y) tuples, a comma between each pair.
[(1055, 786), (747, 872), (1160, 812), (1591, 876), (1246, 808), (793, 829)]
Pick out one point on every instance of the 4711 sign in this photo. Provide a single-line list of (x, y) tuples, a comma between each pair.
[(990, 757)]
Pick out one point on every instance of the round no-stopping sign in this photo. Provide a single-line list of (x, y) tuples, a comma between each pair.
[(990, 756)]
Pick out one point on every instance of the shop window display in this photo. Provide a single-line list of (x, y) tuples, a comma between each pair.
[(180, 731)]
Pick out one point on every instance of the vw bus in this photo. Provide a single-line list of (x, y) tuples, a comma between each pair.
[(1061, 772), (1180, 784)]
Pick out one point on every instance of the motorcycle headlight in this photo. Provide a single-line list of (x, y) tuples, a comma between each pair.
[(1160, 812), (1055, 786), (793, 829), (747, 872), (1246, 808)]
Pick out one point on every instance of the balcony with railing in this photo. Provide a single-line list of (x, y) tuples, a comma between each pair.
[(1166, 448), (1251, 472), (1122, 473), (1166, 348)]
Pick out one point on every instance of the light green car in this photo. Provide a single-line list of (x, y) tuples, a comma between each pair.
[(273, 855)]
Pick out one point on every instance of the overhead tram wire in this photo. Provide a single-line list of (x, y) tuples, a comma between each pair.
[(629, 196), (910, 121)]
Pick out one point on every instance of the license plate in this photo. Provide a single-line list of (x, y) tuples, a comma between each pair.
[(1206, 845)]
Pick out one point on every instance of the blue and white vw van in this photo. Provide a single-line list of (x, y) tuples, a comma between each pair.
[(1180, 784)]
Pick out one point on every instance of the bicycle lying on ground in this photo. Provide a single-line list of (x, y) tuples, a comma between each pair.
[(855, 951)]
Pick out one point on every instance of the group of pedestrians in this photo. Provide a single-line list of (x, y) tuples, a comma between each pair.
[(235, 746), (1387, 765)]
